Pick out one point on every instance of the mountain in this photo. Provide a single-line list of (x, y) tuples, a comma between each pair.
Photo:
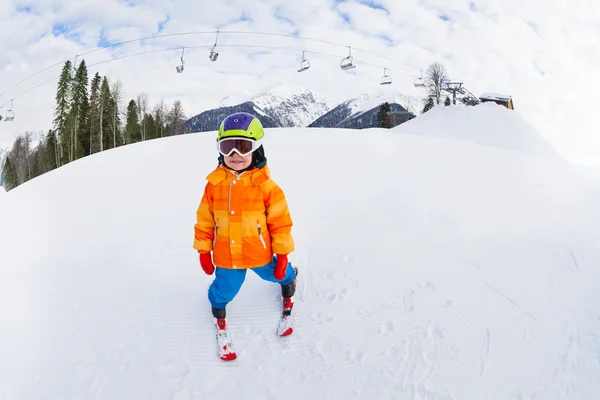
[(211, 119), (291, 106), (362, 111), (3, 153), (277, 106), (430, 268)]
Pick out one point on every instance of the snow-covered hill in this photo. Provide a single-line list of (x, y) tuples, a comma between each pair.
[(431, 268), (487, 123)]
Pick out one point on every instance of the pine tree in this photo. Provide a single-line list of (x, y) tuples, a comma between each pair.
[(36, 164), (61, 113), (104, 113), (51, 159), (9, 175), (94, 114), (150, 126), (81, 113), (383, 117), (429, 103), (132, 128), (447, 102)]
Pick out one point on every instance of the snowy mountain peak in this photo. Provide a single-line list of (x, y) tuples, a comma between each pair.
[(293, 106), (367, 101), (236, 98), (278, 105)]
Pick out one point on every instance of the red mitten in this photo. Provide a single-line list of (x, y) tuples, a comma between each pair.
[(280, 267), (206, 263)]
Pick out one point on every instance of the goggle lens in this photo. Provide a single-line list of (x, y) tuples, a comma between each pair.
[(243, 146)]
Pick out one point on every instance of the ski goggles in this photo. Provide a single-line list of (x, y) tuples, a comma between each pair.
[(241, 146)]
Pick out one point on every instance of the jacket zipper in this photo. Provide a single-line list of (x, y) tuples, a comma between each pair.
[(260, 235), (216, 232)]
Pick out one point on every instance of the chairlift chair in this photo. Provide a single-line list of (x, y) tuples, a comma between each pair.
[(304, 64), (386, 79), (1, 116), (419, 82), (213, 54), (10, 114), (179, 68), (346, 63)]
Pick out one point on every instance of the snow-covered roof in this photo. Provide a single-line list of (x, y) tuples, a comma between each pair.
[(494, 96)]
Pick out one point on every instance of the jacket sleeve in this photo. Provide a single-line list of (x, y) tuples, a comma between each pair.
[(205, 223), (279, 220)]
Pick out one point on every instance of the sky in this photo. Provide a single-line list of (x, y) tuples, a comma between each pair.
[(544, 54)]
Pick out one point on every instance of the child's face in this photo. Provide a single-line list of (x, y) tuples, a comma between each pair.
[(237, 162)]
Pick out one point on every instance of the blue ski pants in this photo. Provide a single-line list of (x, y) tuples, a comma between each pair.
[(227, 282)]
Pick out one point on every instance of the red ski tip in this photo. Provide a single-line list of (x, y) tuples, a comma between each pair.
[(288, 332), (228, 357)]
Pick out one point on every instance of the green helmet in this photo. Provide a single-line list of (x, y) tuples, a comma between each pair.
[(241, 125)]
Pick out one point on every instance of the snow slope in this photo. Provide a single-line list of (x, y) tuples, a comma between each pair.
[(489, 124), (431, 268)]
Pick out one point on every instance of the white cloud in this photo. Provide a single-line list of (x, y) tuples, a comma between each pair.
[(545, 54)]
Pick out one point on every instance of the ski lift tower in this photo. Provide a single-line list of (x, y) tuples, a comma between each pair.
[(453, 87)]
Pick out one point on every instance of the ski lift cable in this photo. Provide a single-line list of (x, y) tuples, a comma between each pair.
[(246, 46), (35, 74), (202, 46), (204, 33)]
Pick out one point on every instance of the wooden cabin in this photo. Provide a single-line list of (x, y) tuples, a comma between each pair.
[(501, 99)]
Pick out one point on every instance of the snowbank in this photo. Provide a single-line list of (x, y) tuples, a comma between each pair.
[(489, 124), (430, 268)]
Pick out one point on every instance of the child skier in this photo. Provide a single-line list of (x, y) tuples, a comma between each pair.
[(244, 221)]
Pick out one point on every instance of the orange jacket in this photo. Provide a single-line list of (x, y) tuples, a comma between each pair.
[(243, 219)]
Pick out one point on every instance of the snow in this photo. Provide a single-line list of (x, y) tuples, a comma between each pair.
[(488, 124), (432, 265), (302, 106), (234, 99), (368, 101), (495, 96)]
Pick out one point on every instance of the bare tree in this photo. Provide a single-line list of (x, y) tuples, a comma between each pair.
[(435, 76), (160, 116), (177, 118), (142, 108)]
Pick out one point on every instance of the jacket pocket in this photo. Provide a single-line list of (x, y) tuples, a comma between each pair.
[(262, 240)]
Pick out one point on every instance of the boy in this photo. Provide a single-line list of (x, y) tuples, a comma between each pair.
[(244, 220)]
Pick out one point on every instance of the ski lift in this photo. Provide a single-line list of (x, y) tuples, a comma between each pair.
[(304, 64), (346, 63), (386, 79), (179, 68), (214, 55), (10, 114), (419, 82)]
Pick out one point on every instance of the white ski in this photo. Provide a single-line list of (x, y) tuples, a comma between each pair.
[(224, 343), (286, 327)]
